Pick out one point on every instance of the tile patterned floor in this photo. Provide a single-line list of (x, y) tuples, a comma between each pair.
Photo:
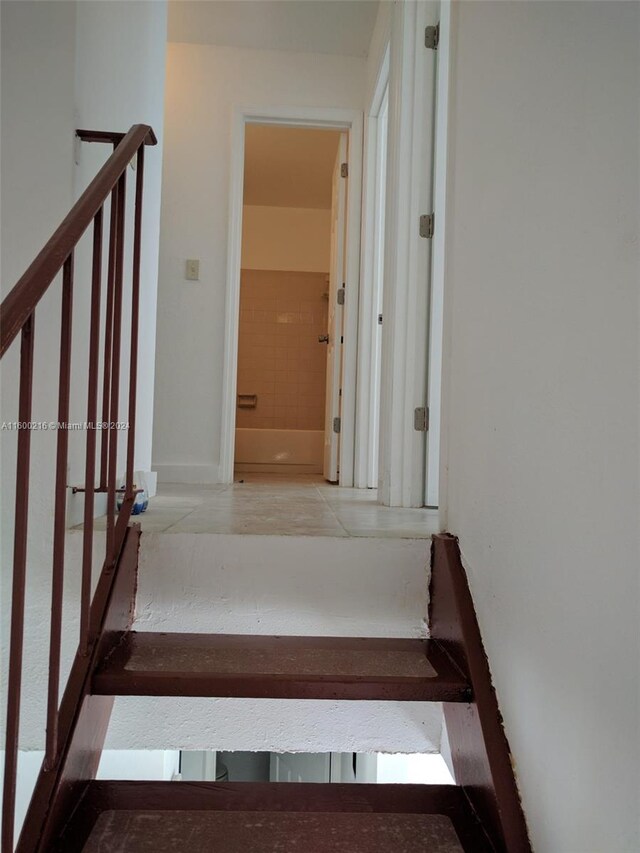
[(280, 505)]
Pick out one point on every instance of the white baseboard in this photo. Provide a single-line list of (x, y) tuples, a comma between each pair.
[(152, 482), (196, 474), (75, 502)]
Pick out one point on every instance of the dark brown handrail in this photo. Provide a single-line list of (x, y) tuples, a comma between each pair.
[(17, 315), (111, 136), (19, 304)]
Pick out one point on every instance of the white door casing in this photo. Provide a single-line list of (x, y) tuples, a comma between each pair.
[(371, 284), (407, 265), (335, 328), (351, 122), (435, 441)]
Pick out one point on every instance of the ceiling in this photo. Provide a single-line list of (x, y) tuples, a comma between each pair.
[(289, 166), (339, 27)]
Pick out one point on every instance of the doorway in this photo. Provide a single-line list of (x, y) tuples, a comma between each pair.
[(291, 316), (292, 264)]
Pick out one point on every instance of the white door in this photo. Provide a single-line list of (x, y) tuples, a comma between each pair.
[(300, 767), (378, 279), (404, 418), (335, 318)]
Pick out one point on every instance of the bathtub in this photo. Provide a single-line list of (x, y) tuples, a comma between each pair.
[(297, 451)]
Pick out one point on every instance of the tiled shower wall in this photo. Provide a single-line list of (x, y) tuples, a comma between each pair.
[(279, 357)]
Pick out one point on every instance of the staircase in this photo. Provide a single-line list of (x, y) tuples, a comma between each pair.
[(71, 811)]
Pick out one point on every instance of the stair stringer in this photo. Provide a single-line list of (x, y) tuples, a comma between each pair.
[(84, 718), (479, 748)]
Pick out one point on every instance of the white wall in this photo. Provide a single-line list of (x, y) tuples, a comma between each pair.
[(37, 120), (379, 40), (204, 83), (418, 769), (542, 395), (65, 65), (159, 765), (120, 67), (286, 238)]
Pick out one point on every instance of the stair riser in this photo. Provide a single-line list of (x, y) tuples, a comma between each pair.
[(283, 585), (274, 725)]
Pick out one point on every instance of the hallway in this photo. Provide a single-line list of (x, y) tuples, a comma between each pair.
[(279, 505)]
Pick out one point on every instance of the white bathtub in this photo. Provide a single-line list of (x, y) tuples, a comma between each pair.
[(272, 450)]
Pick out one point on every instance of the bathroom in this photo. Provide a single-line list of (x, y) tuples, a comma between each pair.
[(289, 240)]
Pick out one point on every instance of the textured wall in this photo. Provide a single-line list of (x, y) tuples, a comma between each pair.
[(542, 389)]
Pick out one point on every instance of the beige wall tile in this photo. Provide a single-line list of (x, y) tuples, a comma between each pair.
[(279, 357)]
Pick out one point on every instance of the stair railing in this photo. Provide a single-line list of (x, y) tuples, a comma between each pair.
[(17, 316)]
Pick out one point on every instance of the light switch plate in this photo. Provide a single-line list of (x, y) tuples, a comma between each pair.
[(192, 272)]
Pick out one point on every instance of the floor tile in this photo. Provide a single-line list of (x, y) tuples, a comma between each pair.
[(282, 505)]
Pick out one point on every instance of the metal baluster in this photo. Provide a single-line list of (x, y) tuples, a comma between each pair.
[(60, 512), (108, 337), (92, 413), (135, 312), (18, 592), (112, 546)]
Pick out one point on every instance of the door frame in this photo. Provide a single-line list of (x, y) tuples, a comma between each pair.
[(368, 408), (350, 121), (335, 316), (407, 263), (436, 436)]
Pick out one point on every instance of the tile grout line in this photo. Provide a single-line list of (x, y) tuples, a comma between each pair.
[(333, 512), (173, 523)]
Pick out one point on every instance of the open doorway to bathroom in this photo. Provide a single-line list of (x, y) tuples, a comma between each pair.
[(290, 328)]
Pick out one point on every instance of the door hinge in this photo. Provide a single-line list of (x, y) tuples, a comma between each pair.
[(341, 295), (379, 319), (432, 37), (426, 225), (421, 419), (344, 170), (336, 425)]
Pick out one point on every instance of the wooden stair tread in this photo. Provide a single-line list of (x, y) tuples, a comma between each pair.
[(266, 817), (238, 665), (238, 832)]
